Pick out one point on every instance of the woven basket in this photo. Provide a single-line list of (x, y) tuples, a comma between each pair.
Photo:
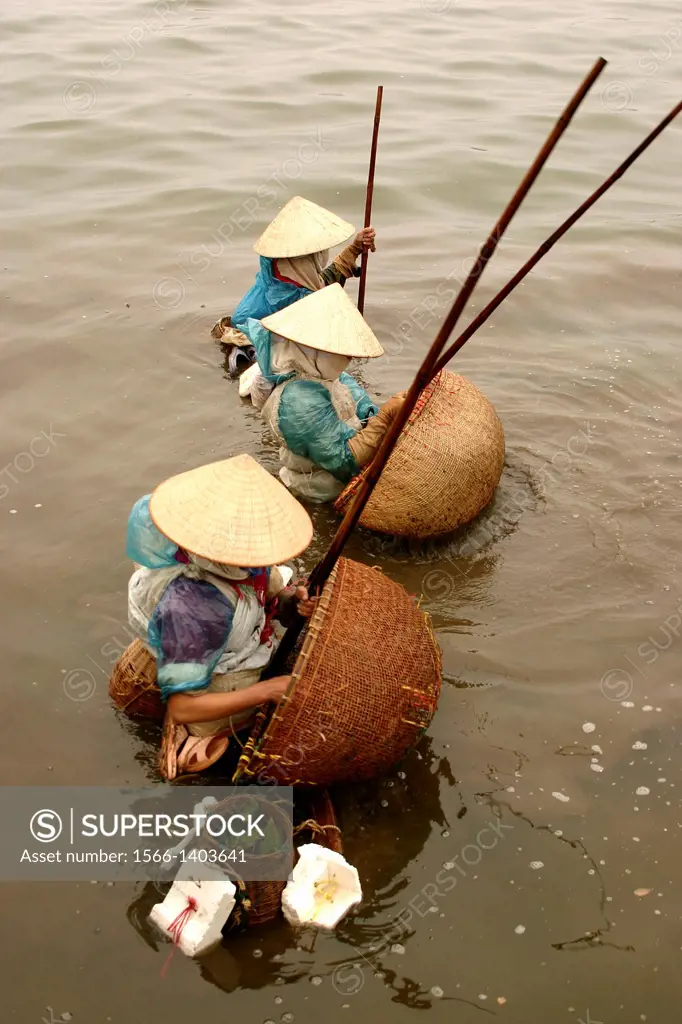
[(445, 467), (364, 687), (258, 902), (133, 687), (261, 902)]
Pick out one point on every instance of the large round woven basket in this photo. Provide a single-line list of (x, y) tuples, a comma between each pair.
[(133, 687), (445, 467), (364, 687)]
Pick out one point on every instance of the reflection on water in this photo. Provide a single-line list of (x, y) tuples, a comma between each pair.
[(371, 816)]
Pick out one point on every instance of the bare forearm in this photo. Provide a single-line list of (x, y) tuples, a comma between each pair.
[(206, 707)]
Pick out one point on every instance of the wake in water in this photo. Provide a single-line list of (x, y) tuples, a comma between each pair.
[(518, 493)]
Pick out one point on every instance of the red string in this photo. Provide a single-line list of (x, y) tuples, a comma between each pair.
[(259, 582), (260, 585), (175, 929), (268, 629)]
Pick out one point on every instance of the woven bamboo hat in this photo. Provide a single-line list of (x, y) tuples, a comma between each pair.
[(233, 512), (301, 228), (326, 320)]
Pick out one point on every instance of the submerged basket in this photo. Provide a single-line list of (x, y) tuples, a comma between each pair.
[(259, 903), (364, 687), (444, 468), (133, 687)]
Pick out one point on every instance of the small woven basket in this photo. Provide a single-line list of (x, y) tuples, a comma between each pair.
[(261, 902), (258, 902), (364, 687), (133, 687), (444, 468)]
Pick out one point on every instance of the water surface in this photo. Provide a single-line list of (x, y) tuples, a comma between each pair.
[(144, 149)]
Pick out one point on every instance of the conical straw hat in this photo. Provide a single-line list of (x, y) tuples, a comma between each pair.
[(233, 512), (301, 228), (326, 320)]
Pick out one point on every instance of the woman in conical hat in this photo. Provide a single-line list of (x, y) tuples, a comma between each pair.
[(202, 600), (294, 251), (327, 425)]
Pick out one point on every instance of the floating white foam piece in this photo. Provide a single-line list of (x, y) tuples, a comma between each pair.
[(194, 912), (321, 889), (247, 379)]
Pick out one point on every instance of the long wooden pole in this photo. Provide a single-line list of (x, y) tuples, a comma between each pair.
[(370, 194), (321, 572), (479, 320)]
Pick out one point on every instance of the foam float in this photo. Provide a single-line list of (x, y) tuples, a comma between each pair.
[(322, 888), (194, 912)]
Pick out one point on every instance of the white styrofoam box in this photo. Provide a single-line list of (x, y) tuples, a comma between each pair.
[(215, 900), (321, 889)]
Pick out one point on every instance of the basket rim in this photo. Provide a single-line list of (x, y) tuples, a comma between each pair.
[(312, 635), (255, 757)]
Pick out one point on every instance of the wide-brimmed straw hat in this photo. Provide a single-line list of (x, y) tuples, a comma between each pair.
[(301, 228), (326, 320), (233, 512)]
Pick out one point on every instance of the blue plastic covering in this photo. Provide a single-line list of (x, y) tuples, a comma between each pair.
[(261, 339), (144, 543), (267, 295), (188, 633), (190, 626), (364, 406), (311, 427)]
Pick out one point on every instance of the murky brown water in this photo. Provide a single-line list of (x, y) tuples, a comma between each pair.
[(137, 144)]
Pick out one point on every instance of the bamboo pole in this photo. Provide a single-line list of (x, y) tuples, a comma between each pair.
[(370, 194), (321, 572), (479, 320)]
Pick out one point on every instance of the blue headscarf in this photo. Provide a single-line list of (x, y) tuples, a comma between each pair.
[(268, 295), (261, 339), (190, 627)]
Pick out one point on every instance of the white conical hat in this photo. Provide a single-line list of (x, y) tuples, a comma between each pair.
[(301, 228), (326, 320), (233, 512)]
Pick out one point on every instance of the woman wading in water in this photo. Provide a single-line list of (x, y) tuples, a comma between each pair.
[(294, 252), (207, 599), (327, 425)]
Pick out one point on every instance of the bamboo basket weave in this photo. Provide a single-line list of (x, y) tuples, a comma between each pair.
[(444, 468), (133, 687), (364, 687), (259, 903)]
